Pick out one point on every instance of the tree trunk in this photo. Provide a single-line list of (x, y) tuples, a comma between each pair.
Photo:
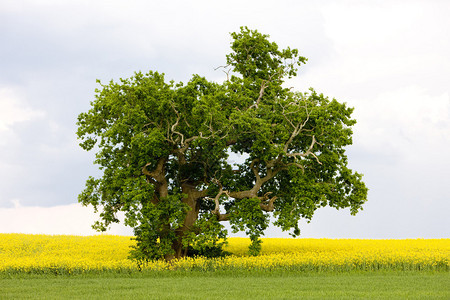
[(191, 216)]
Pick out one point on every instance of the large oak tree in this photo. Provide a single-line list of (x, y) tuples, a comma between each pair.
[(179, 159)]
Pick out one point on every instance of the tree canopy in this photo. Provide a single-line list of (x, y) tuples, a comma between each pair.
[(179, 159)]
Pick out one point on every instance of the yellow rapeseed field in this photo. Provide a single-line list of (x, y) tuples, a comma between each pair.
[(76, 254)]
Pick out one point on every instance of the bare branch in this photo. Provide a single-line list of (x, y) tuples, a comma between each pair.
[(157, 177), (226, 66), (264, 85), (255, 169), (158, 173), (216, 211), (223, 217), (308, 152), (175, 125), (265, 197), (269, 206), (297, 128), (244, 194), (226, 72), (300, 166)]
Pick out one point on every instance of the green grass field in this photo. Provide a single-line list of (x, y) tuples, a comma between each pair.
[(210, 285)]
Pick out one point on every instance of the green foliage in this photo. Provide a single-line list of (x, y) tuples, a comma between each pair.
[(208, 251), (206, 238), (246, 215), (165, 148), (157, 228)]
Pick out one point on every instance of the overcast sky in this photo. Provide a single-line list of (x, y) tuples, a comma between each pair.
[(388, 59)]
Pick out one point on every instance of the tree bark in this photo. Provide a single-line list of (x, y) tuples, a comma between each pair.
[(193, 195)]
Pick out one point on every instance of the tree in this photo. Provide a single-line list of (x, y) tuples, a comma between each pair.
[(166, 152)]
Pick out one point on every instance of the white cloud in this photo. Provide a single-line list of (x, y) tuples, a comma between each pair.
[(13, 111), (390, 62), (407, 122), (73, 219), (379, 46)]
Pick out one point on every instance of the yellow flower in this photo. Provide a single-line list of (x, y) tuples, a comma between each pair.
[(75, 254)]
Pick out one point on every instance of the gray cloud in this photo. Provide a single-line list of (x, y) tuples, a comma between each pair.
[(388, 60)]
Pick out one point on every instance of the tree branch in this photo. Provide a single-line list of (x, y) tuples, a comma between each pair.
[(269, 206), (157, 177), (226, 72), (216, 211), (264, 85), (297, 128), (308, 152), (158, 173), (255, 169), (175, 126)]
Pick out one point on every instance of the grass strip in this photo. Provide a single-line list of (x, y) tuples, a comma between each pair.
[(220, 285)]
